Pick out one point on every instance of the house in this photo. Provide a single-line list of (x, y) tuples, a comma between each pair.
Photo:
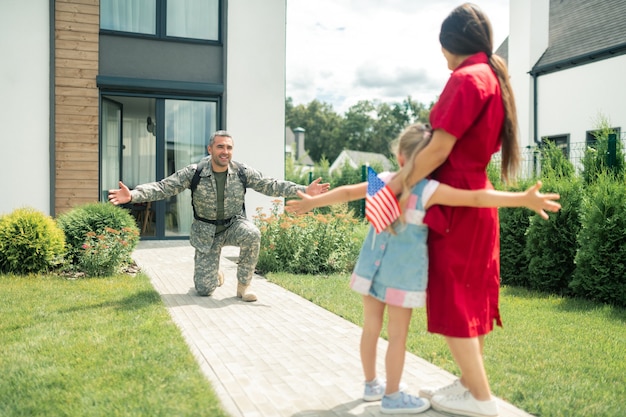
[(95, 91), (566, 60), (294, 148), (356, 159)]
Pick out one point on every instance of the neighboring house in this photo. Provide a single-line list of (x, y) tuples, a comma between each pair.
[(357, 159), (566, 60), (95, 91), (294, 149)]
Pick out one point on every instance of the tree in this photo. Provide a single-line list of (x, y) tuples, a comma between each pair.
[(358, 125), (368, 126), (321, 125)]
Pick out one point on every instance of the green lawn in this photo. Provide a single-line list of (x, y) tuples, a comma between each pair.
[(554, 357), (95, 347), (108, 347)]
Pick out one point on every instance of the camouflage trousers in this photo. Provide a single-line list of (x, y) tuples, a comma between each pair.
[(241, 233)]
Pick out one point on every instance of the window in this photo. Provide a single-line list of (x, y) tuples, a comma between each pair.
[(591, 136), (561, 142), (136, 16), (192, 19), (188, 19)]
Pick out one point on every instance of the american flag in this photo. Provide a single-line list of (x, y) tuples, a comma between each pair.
[(381, 204)]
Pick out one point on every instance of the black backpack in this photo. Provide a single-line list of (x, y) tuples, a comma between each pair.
[(196, 179)]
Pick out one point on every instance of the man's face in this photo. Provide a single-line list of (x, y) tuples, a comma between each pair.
[(221, 152)]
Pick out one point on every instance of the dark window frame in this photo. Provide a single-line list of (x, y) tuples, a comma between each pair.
[(561, 141), (590, 136), (161, 28)]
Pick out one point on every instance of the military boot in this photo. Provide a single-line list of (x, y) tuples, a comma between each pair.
[(241, 292)]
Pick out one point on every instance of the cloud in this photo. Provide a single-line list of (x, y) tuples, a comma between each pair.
[(344, 51)]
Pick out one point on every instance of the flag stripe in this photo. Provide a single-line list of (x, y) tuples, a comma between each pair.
[(381, 205)]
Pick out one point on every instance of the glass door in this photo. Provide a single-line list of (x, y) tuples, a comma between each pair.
[(188, 126), (111, 145), (138, 148), (128, 151)]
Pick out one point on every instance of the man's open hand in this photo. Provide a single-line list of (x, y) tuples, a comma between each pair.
[(121, 196), (316, 188)]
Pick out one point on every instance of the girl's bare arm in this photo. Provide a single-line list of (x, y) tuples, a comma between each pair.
[(336, 195), (531, 198)]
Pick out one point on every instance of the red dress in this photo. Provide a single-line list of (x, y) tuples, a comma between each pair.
[(464, 242)]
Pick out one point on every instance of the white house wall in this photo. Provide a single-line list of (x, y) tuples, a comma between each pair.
[(24, 108), (528, 40), (255, 88), (571, 101)]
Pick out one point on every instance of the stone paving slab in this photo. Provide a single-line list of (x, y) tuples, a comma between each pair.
[(281, 356)]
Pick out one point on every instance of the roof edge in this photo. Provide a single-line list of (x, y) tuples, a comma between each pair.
[(595, 56)]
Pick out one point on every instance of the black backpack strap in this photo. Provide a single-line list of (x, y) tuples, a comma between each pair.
[(194, 183), (196, 177)]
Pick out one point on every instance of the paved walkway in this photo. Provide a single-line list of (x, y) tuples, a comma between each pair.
[(281, 356)]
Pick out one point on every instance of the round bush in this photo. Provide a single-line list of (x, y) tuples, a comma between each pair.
[(30, 242), (96, 218)]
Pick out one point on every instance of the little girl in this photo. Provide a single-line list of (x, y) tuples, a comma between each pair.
[(392, 268)]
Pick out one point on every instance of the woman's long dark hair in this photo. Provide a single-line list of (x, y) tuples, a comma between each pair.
[(467, 31)]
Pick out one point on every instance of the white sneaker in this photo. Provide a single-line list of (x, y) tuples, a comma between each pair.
[(454, 388), (465, 405)]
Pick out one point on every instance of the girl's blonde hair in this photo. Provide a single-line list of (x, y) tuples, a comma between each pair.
[(409, 143), (412, 140)]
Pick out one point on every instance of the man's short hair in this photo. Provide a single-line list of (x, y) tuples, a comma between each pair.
[(219, 133)]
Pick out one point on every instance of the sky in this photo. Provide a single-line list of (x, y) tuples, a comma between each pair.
[(342, 51)]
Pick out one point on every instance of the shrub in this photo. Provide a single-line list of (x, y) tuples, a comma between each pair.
[(596, 160), (104, 253), (551, 244), (350, 175), (91, 221), (297, 174), (554, 164), (30, 242), (309, 244), (494, 175), (600, 269), (514, 223)]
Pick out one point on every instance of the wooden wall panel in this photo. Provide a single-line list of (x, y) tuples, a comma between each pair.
[(77, 25)]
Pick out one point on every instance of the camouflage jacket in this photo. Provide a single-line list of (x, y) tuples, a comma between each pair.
[(205, 197)]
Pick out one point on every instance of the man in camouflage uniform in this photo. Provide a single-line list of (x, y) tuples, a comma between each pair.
[(219, 219)]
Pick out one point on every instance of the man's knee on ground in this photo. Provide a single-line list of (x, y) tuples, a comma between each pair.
[(205, 290)]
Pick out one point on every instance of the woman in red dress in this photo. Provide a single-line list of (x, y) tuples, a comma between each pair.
[(474, 117)]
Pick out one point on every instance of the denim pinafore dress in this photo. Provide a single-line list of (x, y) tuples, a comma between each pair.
[(393, 268)]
